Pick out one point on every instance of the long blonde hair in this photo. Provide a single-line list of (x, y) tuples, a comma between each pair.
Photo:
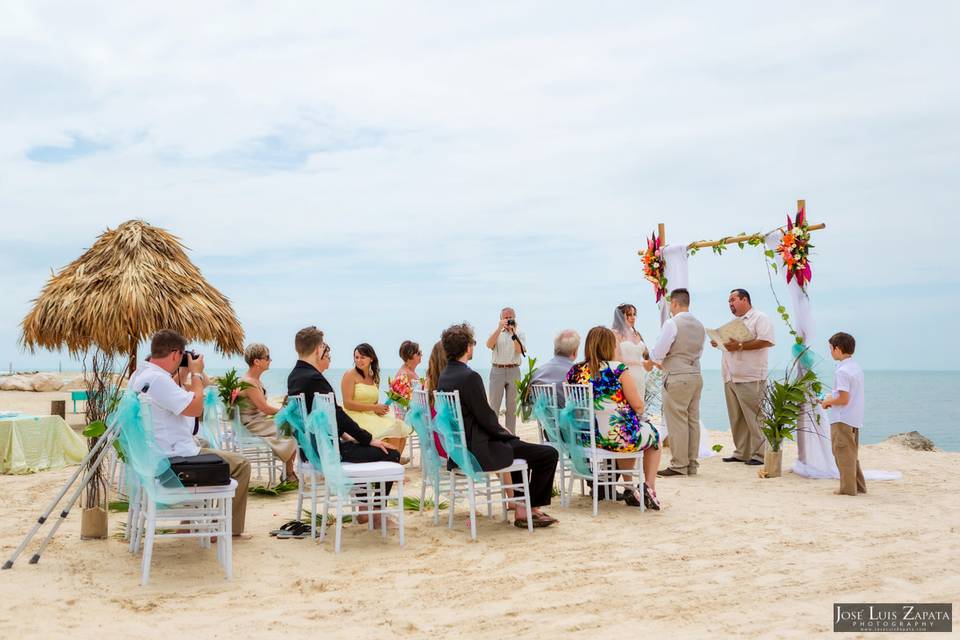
[(600, 346), (437, 363)]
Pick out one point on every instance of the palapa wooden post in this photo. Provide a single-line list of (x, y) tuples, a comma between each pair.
[(662, 232)]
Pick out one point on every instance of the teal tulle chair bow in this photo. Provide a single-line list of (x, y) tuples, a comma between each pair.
[(803, 355), (145, 463), (572, 437), (289, 421), (429, 456), (323, 430), (210, 422), (445, 422)]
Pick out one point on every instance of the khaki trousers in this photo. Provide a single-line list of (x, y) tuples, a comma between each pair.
[(846, 447), (681, 405), (239, 471), (743, 409), (503, 382)]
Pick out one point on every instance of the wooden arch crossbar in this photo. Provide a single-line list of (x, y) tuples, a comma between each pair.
[(703, 244)]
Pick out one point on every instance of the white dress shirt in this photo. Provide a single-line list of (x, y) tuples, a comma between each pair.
[(167, 400), (668, 333), (504, 352), (849, 378), (749, 366)]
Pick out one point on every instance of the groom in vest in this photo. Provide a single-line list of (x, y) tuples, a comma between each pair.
[(678, 352)]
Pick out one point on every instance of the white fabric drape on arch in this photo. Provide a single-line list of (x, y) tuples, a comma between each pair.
[(676, 269), (814, 449)]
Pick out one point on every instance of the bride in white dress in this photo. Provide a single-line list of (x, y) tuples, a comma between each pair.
[(631, 349)]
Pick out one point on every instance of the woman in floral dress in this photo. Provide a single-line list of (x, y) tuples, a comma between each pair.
[(618, 407)]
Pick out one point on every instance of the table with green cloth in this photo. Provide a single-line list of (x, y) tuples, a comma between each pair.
[(36, 443)]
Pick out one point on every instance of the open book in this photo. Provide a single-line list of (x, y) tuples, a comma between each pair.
[(733, 330)]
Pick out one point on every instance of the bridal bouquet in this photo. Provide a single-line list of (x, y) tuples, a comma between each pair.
[(653, 266), (794, 249), (399, 391)]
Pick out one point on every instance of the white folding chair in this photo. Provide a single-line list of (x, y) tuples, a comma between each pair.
[(549, 391), (438, 481), (363, 477), (189, 512), (234, 437), (496, 493), (603, 470)]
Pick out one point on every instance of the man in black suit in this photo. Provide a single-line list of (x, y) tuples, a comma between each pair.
[(493, 446), (307, 378)]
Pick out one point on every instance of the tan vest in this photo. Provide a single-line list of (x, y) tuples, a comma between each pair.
[(684, 355)]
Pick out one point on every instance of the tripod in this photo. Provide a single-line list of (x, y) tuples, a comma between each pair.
[(97, 454)]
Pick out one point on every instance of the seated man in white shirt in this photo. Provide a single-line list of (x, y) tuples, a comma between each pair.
[(173, 410)]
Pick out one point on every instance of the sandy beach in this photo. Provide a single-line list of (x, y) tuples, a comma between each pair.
[(731, 555)]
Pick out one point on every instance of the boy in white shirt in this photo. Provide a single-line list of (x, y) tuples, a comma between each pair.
[(846, 414)]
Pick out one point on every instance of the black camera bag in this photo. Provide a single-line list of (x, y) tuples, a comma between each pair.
[(206, 469)]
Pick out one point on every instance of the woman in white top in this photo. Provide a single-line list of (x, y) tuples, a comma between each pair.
[(631, 349)]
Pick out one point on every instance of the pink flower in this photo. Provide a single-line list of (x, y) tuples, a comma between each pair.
[(233, 395)]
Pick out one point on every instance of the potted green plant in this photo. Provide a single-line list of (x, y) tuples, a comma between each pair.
[(524, 406), (783, 406)]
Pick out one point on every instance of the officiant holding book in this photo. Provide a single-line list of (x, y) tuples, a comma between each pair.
[(744, 370)]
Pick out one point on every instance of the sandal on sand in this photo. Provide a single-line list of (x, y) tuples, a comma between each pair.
[(650, 500), (521, 523), (299, 530), (285, 527), (632, 497), (545, 516)]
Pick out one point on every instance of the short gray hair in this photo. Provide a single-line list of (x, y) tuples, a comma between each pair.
[(567, 343), (255, 351)]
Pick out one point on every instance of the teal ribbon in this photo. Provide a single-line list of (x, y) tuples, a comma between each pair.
[(290, 415), (429, 456), (804, 355), (210, 422), (323, 432), (145, 463), (572, 438), (446, 425)]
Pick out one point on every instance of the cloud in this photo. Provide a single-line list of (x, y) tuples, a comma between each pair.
[(384, 176)]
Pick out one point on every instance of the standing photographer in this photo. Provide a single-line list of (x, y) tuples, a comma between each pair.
[(508, 344)]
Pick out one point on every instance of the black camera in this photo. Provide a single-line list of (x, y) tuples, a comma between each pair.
[(511, 322), (183, 359)]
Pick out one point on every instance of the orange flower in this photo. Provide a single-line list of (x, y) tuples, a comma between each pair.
[(788, 240)]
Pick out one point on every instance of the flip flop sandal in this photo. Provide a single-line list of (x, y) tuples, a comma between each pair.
[(299, 530), (521, 523), (285, 527), (545, 517)]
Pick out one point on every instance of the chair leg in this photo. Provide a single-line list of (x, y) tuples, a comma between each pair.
[(336, 545), (299, 495), (472, 498), (400, 515), (381, 501), (526, 499), (326, 510), (453, 499), (313, 507), (226, 539), (436, 498), (489, 496), (148, 542), (596, 489), (423, 493)]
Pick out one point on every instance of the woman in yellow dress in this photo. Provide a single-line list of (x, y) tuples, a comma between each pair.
[(360, 387)]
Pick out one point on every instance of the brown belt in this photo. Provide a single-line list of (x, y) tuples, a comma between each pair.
[(505, 366)]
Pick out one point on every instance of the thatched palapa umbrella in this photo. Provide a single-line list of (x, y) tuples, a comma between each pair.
[(133, 281)]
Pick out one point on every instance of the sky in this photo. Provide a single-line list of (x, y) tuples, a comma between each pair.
[(382, 170)]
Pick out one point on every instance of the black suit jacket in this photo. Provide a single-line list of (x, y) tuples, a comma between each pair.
[(486, 439), (306, 379)]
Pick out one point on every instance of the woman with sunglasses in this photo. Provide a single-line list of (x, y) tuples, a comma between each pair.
[(256, 414)]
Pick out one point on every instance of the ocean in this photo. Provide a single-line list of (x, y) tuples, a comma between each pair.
[(897, 401)]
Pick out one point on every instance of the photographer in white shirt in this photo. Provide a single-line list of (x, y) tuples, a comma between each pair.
[(174, 409), (508, 345)]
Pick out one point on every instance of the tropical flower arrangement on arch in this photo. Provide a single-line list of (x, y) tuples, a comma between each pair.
[(794, 249), (654, 269)]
